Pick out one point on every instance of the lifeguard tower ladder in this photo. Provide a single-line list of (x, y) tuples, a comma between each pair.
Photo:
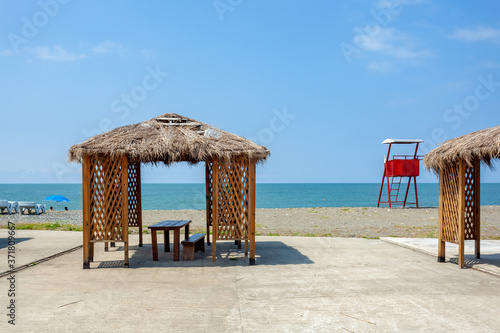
[(397, 168)]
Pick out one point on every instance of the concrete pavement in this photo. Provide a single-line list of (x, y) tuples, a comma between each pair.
[(299, 284), (489, 261)]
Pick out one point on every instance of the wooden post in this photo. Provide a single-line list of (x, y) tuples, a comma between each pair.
[(208, 199), (124, 213), (215, 207), (86, 210), (139, 201), (477, 206), (251, 208), (441, 242), (461, 213)]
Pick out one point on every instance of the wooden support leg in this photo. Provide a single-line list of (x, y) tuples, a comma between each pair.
[(477, 249), (441, 250), (166, 246), (214, 256), (106, 248), (125, 253), (252, 251), (91, 252), (246, 247), (201, 246), (461, 255), (166, 241), (86, 255), (154, 244), (177, 239), (208, 234), (188, 251)]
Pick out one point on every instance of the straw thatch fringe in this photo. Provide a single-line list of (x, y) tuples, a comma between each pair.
[(169, 138), (484, 145)]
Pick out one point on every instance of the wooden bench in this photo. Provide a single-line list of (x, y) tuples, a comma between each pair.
[(194, 243)]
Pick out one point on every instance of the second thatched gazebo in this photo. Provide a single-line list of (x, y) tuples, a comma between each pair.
[(458, 163), (111, 178)]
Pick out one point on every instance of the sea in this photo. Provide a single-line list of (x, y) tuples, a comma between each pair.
[(192, 196)]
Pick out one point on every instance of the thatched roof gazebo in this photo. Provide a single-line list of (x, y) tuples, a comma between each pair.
[(111, 178), (458, 163)]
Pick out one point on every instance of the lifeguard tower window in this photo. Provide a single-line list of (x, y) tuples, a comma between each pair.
[(399, 168)]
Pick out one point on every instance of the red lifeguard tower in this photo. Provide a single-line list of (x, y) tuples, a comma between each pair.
[(397, 168)]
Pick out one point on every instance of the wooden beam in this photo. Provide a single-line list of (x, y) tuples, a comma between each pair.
[(139, 201), (124, 213), (86, 210), (441, 242), (477, 206), (461, 213), (215, 207), (251, 208), (208, 199)]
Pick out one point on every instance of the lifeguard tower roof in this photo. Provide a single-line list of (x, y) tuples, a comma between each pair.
[(402, 141)]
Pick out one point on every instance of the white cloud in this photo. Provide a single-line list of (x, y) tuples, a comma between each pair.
[(389, 42), (107, 47), (476, 34), (57, 53), (396, 3), (6, 53), (491, 64), (380, 66), (147, 53)]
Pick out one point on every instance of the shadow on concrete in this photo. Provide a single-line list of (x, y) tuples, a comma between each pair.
[(228, 255), (4, 242), (470, 261)]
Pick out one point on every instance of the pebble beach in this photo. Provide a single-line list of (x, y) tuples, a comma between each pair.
[(363, 222)]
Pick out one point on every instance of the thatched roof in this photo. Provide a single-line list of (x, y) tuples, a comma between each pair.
[(169, 138), (484, 144)]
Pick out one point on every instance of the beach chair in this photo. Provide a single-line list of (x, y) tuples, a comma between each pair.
[(15, 206), (30, 206), (5, 205)]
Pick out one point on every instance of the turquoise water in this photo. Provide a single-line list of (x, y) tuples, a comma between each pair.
[(192, 196)]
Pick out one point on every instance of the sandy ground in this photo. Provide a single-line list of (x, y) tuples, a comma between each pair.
[(342, 222), (332, 221)]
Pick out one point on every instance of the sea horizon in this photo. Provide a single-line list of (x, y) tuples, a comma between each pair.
[(175, 196)]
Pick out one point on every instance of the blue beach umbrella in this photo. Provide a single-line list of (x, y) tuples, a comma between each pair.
[(57, 198)]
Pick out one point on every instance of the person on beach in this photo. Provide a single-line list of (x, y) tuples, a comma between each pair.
[(51, 209), (65, 208)]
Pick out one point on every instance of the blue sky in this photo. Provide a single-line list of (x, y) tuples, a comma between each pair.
[(320, 83)]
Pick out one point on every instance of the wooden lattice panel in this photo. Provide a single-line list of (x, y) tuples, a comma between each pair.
[(470, 203), (232, 195), (450, 202), (106, 199), (134, 193)]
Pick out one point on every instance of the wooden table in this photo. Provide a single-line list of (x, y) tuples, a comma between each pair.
[(166, 226)]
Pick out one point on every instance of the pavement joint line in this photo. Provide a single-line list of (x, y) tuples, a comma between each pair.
[(482, 270), (390, 241), (447, 259), (39, 261)]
